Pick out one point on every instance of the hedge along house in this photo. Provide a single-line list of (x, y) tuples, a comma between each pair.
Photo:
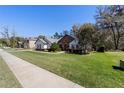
[(43, 43)]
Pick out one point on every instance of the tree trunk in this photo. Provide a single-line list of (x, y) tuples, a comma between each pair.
[(115, 38)]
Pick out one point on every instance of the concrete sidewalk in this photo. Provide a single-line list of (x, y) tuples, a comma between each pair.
[(31, 76)]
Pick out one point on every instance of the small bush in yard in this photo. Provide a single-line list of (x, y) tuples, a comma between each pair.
[(122, 49), (55, 47), (101, 49)]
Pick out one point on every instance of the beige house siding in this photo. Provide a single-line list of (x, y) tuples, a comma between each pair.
[(29, 44), (32, 44)]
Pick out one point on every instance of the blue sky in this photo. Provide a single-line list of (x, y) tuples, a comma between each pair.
[(46, 20)]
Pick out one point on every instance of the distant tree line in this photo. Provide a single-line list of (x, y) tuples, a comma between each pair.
[(107, 32), (59, 35), (9, 38)]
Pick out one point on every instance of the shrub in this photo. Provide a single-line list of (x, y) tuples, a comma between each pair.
[(101, 49), (55, 47), (122, 49)]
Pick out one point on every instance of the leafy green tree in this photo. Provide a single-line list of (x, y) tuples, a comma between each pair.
[(13, 40), (65, 32), (57, 35), (21, 39), (85, 34), (75, 30), (3, 42), (55, 47)]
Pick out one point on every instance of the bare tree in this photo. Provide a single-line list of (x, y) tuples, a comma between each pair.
[(13, 40), (10, 38), (5, 34), (112, 19)]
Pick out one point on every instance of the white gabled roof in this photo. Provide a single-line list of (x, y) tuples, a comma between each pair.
[(52, 40), (48, 40), (42, 40)]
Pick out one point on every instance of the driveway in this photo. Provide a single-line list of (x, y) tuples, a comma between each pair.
[(32, 76)]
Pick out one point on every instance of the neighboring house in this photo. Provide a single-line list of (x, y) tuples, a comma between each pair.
[(40, 44), (74, 44), (30, 42), (68, 42), (20, 44), (43, 43)]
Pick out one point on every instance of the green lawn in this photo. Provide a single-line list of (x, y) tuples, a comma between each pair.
[(7, 78), (92, 70)]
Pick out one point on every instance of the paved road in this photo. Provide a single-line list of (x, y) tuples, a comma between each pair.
[(31, 76)]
